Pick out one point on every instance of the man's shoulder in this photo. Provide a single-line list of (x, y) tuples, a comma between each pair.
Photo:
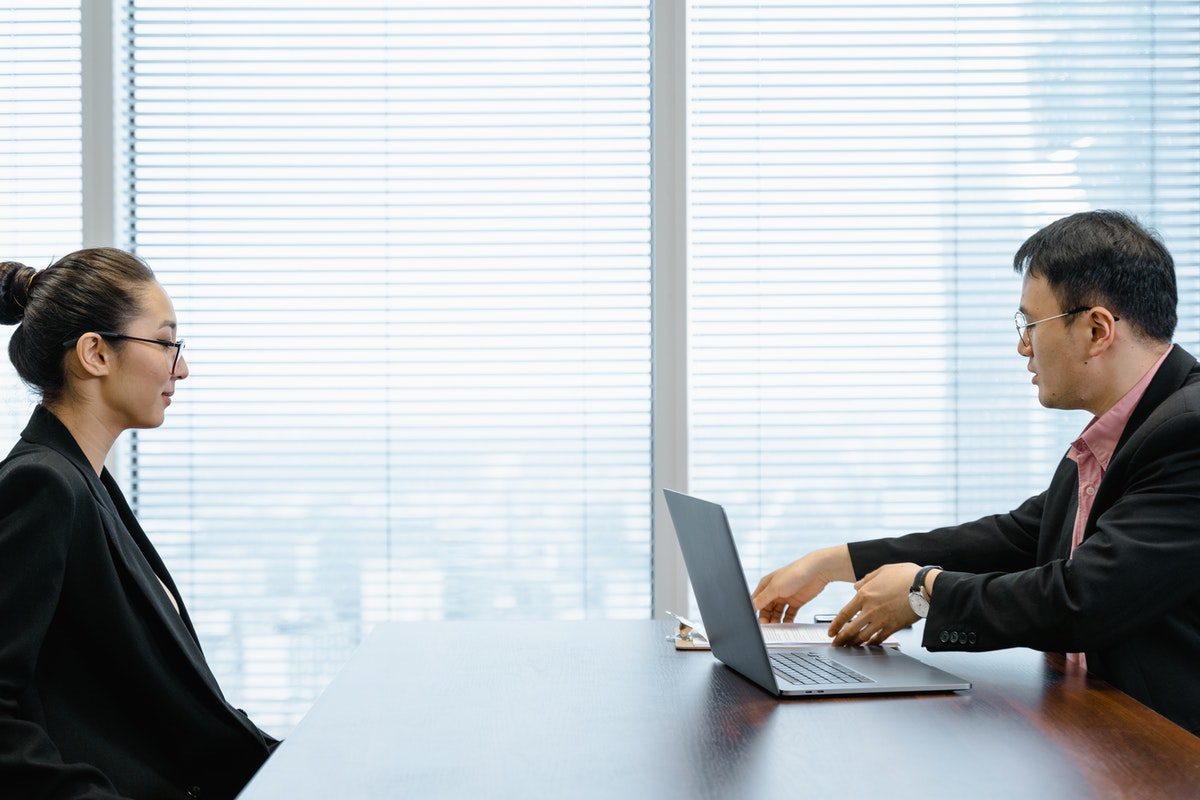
[(1184, 399), (1191, 387), (1176, 420)]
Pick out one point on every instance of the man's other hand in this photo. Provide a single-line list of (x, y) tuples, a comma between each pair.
[(780, 594), (879, 607)]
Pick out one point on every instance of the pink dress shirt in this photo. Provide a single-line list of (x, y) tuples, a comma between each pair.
[(1092, 451)]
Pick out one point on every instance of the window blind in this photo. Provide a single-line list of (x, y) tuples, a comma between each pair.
[(40, 144), (860, 175), (409, 247)]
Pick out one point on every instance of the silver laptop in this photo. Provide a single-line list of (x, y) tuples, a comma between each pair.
[(733, 631)]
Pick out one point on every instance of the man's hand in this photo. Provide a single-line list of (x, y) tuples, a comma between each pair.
[(878, 609), (781, 593)]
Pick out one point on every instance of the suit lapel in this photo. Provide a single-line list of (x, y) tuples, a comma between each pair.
[(118, 507), (1067, 527), (130, 556)]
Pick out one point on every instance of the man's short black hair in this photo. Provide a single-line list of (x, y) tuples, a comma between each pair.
[(1106, 258)]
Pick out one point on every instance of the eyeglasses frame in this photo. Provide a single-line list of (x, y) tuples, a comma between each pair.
[(111, 335), (1023, 328)]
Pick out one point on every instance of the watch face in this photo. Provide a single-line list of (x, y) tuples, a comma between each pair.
[(919, 604)]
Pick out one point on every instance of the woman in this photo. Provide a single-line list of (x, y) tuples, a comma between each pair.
[(104, 691)]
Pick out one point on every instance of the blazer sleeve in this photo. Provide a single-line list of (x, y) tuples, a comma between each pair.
[(38, 515), (1140, 562), (1005, 542)]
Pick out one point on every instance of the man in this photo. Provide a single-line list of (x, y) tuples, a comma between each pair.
[(1104, 564)]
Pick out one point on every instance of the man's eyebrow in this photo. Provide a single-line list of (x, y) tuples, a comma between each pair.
[(1022, 309)]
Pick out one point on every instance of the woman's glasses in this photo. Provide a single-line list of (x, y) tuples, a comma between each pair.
[(166, 344)]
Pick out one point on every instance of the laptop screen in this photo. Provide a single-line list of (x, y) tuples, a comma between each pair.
[(720, 585)]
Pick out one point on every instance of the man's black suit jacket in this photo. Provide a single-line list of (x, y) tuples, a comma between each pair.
[(1129, 597), (104, 691)]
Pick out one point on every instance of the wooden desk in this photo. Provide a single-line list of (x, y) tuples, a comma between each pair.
[(610, 709)]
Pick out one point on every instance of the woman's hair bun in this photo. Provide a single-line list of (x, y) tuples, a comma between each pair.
[(15, 280)]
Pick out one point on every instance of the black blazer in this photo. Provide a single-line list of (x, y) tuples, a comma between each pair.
[(104, 691), (1130, 596)]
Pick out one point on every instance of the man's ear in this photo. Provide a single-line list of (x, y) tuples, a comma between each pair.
[(93, 356), (1103, 328)]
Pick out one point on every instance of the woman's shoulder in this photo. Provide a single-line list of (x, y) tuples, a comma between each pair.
[(45, 503), (30, 466)]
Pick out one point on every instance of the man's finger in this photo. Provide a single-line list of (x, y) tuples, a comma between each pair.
[(868, 634), (846, 614), (881, 635), (766, 595), (849, 633), (857, 633), (761, 600), (770, 612), (790, 614)]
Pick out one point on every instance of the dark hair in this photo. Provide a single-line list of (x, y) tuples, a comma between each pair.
[(1106, 258), (89, 290)]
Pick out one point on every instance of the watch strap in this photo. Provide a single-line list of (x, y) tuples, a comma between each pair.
[(919, 580)]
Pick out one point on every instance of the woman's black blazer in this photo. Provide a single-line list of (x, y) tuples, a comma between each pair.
[(104, 690)]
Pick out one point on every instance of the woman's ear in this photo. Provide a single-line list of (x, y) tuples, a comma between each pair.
[(93, 356)]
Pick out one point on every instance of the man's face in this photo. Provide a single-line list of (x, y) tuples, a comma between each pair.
[(1057, 349)]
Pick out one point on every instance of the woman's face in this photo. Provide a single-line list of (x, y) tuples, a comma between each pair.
[(142, 381)]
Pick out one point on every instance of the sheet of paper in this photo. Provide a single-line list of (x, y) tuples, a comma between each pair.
[(776, 633)]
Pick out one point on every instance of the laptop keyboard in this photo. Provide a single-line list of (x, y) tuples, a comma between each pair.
[(811, 669)]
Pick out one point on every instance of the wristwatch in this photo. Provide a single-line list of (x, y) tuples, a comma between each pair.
[(917, 599)]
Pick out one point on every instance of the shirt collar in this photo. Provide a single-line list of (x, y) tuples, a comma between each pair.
[(1101, 435)]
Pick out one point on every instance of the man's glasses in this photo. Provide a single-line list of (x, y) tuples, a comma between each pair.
[(166, 344), (1023, 324)]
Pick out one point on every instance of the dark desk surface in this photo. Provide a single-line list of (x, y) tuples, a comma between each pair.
[(610, 709)]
